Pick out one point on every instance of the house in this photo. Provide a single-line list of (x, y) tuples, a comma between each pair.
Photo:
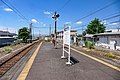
[(88, 37), (60, 35), (6, 33), (112, 30), (109, 40), (73, 35), (6, 37)]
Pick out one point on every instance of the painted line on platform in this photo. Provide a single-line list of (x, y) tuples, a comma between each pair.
[(98, 60), (28, 65)]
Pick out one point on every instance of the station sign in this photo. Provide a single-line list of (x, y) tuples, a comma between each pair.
[(66, 43)]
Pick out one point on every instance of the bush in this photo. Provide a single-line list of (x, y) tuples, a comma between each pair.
[(89, 44), (7, 49), (110, 55)]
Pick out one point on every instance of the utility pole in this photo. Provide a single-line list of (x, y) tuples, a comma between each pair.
[(49, 29), (39, 34), (119, 25), (55, 16), (7, 32), (30, 35)]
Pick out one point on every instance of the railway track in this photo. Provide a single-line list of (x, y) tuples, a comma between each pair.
[(10, 60)]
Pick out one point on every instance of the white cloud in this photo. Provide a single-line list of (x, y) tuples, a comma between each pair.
[(21, 20), (79, 22), (10, 29), (104, 22), (47, 12), (113, 24), (41, 23), (34, 21), (44, 25), (67, 22), (108, 23), (8, 10)]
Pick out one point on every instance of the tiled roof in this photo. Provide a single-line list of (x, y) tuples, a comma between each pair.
[(6, 33), (107, 33)]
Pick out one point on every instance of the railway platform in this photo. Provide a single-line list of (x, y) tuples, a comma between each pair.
[(48, 65)]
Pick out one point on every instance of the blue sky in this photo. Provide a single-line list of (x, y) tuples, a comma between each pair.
[(40, 12)]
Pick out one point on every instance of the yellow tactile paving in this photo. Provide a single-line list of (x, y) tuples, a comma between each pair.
[(98, 60), (27, 67)]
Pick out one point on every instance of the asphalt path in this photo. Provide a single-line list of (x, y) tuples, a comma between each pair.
[(49, 66)]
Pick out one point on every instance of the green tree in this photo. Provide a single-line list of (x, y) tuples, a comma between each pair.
[(23, 34), (95, 26)]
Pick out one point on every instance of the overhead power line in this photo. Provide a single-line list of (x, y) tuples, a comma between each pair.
[(97, 11), (64, 5), (40, 27), (15, 10), (115, 21), (80, 26), (103, 20), (77, 28), (112, 17), (18, 11)]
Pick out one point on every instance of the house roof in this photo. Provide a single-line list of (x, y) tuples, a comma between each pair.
[(89, 35), (5, 37), (73, 30), (70, 31), (107, 34), (6, 33)]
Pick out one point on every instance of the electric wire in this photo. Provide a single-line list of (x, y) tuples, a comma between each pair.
[(64, 5), (97, 11), (15, 10), (111, 17)]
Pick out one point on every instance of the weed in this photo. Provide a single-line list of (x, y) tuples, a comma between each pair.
[(110, 55), (7, 49)]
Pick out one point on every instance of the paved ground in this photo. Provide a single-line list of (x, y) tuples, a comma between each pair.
[(14, 72), (49, 66)]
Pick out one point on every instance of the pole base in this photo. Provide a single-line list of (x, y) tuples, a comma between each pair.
[(63, 57), (68, 63)]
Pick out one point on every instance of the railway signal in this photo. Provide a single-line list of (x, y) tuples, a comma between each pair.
[(55, 17)]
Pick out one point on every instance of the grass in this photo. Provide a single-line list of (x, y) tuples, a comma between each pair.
[(7, 49), (110, 55)]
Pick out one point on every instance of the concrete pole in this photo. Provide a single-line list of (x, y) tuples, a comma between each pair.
[(30, 35)]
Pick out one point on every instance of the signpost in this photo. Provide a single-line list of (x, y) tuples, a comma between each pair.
[(66, 41)]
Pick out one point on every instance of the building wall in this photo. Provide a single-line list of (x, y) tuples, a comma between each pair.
[(105, 41), (115, 38), (72, 36), (5, 41)]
